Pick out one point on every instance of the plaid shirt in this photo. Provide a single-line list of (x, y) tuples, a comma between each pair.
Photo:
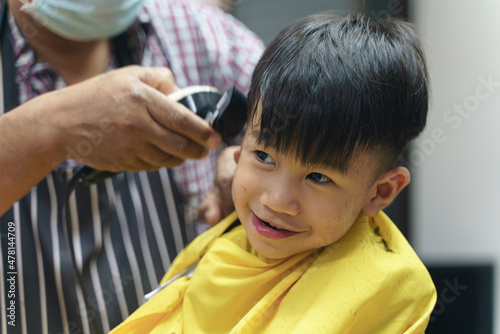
[(121, 238)]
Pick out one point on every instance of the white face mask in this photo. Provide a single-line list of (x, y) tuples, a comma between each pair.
[(84, 20)]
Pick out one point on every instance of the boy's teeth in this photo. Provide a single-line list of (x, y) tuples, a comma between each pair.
[(271, 225)]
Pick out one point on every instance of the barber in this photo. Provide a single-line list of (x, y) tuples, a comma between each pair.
[(84, 257)]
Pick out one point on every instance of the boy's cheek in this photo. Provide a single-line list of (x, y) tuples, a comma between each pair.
[(240, 182)]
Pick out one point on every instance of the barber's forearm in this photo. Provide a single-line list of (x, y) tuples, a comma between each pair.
[(28, 149)]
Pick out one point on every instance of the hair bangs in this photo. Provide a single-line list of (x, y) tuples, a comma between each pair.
[(303, 114)]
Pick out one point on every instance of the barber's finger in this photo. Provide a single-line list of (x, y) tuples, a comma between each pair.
[(138, 165), (174, 115), (213, 215), (169, 142), (160, 78), (177, 118), (209, 210), (158, 158)]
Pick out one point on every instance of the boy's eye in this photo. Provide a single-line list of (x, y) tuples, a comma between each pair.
[(264, 157), (319, 178)]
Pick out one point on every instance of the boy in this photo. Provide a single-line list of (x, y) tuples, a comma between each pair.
[(333, 103)]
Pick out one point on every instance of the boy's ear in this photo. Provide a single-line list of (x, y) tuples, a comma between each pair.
[(385, 190)]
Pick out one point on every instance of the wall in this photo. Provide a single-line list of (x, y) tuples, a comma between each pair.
[(456, 182), (267, 17)]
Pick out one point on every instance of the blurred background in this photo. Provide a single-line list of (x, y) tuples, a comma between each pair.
[(449, 212)]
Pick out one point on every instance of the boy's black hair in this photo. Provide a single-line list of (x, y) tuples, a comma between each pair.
[(331, 87)]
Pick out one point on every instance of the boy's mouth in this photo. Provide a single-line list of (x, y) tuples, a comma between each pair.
[(269, 230), (271, 226)]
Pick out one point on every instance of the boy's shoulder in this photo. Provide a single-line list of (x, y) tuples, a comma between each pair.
[(378, 246), (372, 278)]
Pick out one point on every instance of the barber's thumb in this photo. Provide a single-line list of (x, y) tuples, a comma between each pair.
[(212, 215), (209, 210)]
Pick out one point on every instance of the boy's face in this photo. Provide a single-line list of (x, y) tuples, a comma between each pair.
[(287, 208)]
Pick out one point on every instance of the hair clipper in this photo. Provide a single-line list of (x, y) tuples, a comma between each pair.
[(226, 112)]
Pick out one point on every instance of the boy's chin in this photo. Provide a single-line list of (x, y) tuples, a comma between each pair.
[(271, 255), (267, 252)]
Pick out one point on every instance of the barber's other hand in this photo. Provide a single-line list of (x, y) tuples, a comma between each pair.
[(219, 202), (123, 121)]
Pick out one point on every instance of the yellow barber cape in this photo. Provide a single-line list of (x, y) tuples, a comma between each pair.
[(370, 281)]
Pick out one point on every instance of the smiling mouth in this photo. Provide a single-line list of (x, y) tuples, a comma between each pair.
[(269, 230), (272, 226)]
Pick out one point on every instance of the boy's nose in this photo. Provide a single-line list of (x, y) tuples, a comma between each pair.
[(281, 197)]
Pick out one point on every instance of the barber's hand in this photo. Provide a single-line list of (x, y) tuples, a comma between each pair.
[(219, 202), (123, 121)]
